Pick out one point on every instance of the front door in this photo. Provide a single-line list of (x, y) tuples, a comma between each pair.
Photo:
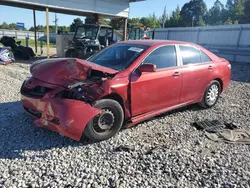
[(160, 89)]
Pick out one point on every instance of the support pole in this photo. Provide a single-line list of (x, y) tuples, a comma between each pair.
[(34, 17), (96, 18), (125, 28), (47, 31)]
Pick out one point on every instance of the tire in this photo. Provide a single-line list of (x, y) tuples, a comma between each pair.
[(211, 95), (71, 53), (113, 115)]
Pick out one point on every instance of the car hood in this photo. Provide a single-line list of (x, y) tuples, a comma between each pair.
[(65, 71)]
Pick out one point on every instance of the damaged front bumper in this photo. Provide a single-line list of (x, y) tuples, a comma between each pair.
[(66, 116)]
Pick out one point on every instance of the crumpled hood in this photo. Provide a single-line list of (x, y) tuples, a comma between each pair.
[(64, 71)]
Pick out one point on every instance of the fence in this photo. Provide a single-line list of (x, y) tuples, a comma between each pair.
[(229, 41), (20, 34)]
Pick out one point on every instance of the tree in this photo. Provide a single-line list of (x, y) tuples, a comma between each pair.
[(134, 22), (4, 26), (116, 23), (216, 14), (239, 10), (90, 20), (247, 12), (193, 9), (201, 22), (236, 9), (175, 18), (164, 17), (12, 26), (228, 21), (77, 22), (152, 21)]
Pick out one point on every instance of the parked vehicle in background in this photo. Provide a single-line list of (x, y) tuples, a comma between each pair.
[(125, 83), (52, 38), (89, 39), (139, 33)]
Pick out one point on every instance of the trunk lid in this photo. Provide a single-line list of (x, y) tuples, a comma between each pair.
[(65, 71)]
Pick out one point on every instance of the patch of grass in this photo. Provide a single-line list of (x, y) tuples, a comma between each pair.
[(32, 43)]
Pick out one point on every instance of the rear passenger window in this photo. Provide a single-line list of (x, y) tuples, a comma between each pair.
[(190, 55), (205, 57), (163, 57)]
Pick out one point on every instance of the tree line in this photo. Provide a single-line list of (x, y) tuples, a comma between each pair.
[(196, 13), (192, 13)]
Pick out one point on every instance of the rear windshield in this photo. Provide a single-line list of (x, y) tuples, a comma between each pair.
[(118, 56)]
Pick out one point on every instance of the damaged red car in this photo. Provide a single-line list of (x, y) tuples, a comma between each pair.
[(123, 84)]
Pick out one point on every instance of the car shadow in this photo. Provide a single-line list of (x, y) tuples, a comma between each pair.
[(240, 72), (19, 134)]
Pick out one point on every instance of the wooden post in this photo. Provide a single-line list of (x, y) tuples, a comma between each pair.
[(125, 28), (47, 31), (34, 17)]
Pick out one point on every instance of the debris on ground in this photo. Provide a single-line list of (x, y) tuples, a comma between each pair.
[(125, 148), (223, 132), (6, 56)]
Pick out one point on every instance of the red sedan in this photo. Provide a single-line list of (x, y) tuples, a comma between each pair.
[(125, 83)]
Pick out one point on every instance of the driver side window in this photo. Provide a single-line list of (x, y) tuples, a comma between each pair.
[(163, 57)]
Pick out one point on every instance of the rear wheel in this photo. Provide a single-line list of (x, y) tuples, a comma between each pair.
[(106, 124), (211, 95)]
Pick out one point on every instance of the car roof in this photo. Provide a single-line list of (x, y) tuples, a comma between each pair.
[(155, 42)]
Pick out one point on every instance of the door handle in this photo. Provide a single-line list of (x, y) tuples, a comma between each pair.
[(210, 67), (176, 74)]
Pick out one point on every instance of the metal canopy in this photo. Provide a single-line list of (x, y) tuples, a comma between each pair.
[(104, 8), (99, 8)]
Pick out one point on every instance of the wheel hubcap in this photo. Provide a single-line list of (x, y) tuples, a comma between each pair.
[(212, 94), (104, 122)]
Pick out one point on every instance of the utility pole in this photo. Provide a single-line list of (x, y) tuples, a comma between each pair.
[(56, 20), (164, 17), (193, 21)]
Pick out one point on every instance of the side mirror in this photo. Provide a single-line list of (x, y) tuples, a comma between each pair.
[(147, 68)]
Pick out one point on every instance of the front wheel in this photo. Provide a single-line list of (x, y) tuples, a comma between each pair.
[(106, 124), (211, 95)]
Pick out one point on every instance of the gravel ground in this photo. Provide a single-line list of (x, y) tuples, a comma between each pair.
[(163, 152)]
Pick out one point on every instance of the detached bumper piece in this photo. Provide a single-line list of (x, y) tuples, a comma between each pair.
[(223, 132), (65, 116)]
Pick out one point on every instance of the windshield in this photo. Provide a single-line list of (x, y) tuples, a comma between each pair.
[(118, 56), (86, 32)]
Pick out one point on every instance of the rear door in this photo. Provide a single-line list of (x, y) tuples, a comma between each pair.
[(160, 89), (196, 73)]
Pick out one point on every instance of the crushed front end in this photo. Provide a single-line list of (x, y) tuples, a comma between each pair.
[(65, 107)]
